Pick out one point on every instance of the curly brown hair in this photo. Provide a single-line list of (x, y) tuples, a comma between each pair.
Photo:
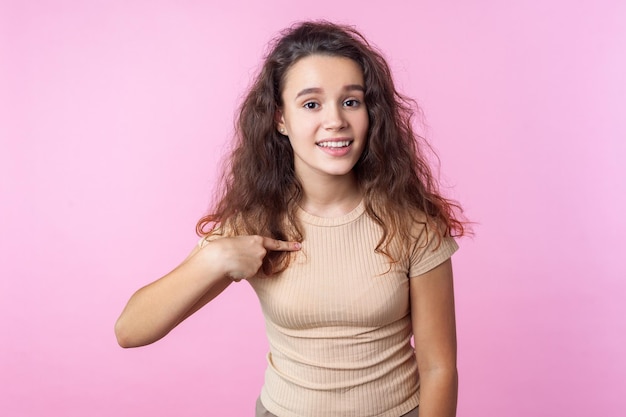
[(260, 192)]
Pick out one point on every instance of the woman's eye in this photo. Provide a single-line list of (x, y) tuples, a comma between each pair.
[(351, 103), (310, 105)]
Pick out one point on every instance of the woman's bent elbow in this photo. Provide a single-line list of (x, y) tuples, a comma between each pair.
[(124, 335), (130, 336)]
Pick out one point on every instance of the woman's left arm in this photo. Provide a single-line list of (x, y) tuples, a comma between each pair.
[(434, 327)]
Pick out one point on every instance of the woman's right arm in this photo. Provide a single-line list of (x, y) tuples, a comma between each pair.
[(154, 310)]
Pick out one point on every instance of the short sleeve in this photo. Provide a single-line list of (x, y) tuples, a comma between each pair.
[(429, 252)]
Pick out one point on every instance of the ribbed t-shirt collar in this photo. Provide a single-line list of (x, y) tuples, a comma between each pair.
[(332, 221)]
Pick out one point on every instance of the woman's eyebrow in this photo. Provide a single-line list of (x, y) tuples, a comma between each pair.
[(317, 90), (352, 87), (309, 91)]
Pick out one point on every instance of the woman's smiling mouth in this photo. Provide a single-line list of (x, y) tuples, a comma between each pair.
[(335, 147)]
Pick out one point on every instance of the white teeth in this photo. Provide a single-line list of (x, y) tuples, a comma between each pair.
[(338, 144)]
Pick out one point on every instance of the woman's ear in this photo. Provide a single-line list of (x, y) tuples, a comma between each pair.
[(279, 121)]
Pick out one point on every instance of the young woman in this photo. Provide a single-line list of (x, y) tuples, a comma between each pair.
[(330, 211)]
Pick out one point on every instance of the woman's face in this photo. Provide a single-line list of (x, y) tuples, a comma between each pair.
[(324, 115)]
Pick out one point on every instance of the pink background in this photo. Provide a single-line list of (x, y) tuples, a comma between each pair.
[(113, 119)]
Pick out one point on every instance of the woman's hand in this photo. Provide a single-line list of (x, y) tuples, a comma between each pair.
[(241, 257)]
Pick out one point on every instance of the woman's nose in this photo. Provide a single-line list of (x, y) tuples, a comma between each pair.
[(334, 118)]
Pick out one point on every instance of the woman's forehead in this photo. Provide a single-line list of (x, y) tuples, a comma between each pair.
[(321, 73)]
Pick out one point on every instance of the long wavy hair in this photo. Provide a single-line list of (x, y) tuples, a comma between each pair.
[(260, 191)]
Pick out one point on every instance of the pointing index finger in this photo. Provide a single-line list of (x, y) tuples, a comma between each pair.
[(280, 245)]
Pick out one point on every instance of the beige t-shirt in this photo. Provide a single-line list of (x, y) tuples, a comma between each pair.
[(338, 322)]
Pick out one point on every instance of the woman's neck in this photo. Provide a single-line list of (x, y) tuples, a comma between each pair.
[(331, 196)]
